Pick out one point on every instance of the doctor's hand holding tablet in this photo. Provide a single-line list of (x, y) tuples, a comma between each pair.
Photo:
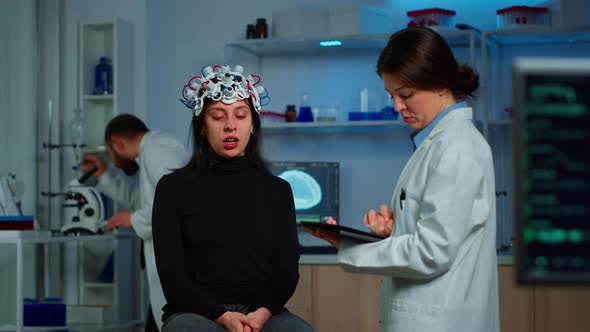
[(381, 224)]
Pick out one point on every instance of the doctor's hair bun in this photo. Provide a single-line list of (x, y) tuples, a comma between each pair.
[(466, 82)]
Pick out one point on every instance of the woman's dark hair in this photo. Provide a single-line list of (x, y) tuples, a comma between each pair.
[(421, 58), (203, 156)]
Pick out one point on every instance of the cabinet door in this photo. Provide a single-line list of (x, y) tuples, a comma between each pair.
[(516, 303), (562, 309), (344, 301), (301, 302)]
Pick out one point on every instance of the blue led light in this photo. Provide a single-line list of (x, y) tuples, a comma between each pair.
[(330, 43)]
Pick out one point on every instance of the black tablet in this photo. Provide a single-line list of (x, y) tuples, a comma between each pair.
[(343, 231)]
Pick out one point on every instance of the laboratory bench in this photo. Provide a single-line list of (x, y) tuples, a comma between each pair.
[(331, 259), (33, 254), (325, 291)]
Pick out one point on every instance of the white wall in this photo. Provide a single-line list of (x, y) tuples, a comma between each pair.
[(161, 61), (18, 90), (18, 134)]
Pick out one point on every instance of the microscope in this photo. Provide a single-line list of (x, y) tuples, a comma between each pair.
[(85, 211)]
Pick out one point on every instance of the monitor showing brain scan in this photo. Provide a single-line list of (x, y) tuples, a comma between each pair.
[(315, 188)]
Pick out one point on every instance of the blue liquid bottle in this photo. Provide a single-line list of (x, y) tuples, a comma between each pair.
[(103, 77), (305, 114)]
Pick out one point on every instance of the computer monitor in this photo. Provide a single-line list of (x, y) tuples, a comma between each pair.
[(315, 187), (551, 130)]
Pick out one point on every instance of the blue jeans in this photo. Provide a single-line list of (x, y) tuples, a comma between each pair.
[(189, 322)]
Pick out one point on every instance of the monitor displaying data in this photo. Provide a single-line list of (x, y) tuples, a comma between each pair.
[(315, 187), (551, 171)]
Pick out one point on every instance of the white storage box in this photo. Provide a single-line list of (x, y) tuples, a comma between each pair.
[(431, 17), (523, 16), (357, 20), (300, 23)]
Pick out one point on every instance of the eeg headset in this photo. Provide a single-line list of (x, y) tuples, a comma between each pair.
[(220, 83)]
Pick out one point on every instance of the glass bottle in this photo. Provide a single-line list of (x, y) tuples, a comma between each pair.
[(290, 113), (250, 30), (103, 77), (261, 28), (76, 127)]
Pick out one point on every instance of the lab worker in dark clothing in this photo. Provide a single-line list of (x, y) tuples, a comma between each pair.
[(224, 227)]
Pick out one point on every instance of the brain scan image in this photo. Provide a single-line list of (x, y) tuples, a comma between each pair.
[(307, 192)]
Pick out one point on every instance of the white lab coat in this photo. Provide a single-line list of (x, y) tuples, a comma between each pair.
[(440, 264), (159, 154)]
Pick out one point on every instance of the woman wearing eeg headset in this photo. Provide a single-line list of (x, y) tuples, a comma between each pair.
[(439, 255), (224, 228)]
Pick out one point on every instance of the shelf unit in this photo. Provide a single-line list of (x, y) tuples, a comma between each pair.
[(531, 36), (496, 45), (350, 45), (97, 39), (279, 128), (370, 153), (22, 238), (251, 53), (364, 42), (86, 327), (93, 257), (110, 39), (536, 35)]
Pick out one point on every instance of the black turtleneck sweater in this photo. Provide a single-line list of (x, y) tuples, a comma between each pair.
[(225, 237)]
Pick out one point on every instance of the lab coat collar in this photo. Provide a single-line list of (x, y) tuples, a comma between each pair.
[(146, 137), (420, 136), (463, 113)]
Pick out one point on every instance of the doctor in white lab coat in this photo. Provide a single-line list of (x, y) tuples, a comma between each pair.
[(439, 255), (130, 144)]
